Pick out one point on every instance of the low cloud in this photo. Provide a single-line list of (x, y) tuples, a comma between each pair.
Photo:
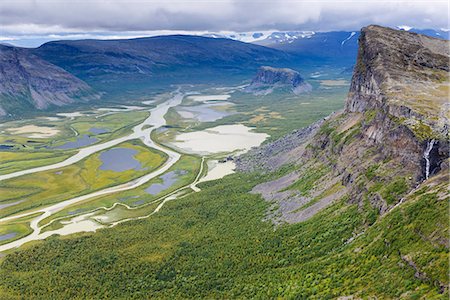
[(98, 17)]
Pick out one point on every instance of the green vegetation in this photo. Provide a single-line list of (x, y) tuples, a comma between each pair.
[(422, 131), (17, 228), (305, 183), (213, 244), (29, 152), (117, 124), (394, 190), (81, 178), (187, 168), (369, 115), (17, 161), (371, 171)]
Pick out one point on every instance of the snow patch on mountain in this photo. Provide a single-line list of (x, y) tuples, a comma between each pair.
[(270, 35), (351, 35), (404, 27)]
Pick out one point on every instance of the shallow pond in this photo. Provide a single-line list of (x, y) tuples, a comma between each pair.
[(119, 160), (7, 236), (77, 211), (168, 180), (204, 113), (82, 141), (140, 202), (124, 199), (95, 130)]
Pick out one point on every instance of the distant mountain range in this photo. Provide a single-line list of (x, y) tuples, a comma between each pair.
[(63, 72), (335, 47), (156, 56), (271, 37)]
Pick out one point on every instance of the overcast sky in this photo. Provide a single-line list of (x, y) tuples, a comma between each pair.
[(29, 23)]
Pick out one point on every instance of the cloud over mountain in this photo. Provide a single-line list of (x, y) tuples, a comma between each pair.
[(27, 17)]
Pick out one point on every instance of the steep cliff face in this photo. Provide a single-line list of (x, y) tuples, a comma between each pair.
[(403, 71), (386, 155), (28, 82), (392, 135), (268, 78), (401, 79)]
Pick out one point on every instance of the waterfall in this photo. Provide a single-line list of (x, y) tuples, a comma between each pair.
[(426, 155)]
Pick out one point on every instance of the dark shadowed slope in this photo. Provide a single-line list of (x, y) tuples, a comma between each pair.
[(29, 82), (159, 57)]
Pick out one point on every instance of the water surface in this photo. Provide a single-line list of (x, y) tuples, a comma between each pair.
[(82, 141), (168, 180), (95, 130), (7, 236), (119, 160), (203, 113), (223, 138)]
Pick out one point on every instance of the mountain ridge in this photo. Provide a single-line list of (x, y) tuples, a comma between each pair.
[(151, 54), (139, 65), (29, 82)]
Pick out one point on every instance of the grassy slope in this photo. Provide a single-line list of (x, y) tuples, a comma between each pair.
[(213, 244)]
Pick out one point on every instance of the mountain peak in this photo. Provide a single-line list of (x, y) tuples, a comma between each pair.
[(268, 78), (404, 73)]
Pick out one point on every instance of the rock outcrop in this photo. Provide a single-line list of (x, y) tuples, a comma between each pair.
[(269, 157), (403, 74), (29, 82), (392, 135), (268, 79), (401, 80)]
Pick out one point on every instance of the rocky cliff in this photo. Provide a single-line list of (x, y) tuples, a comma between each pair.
[(401, 81), (391, 137), (268, 78), (29, 82)]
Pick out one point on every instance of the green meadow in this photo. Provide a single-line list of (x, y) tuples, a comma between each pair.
[(186, 168), (29, 152), (81, 178)]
